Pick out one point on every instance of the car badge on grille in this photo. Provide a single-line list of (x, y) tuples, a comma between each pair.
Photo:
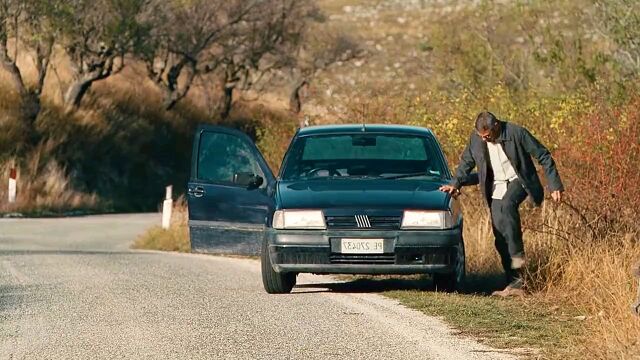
[(363, 221)]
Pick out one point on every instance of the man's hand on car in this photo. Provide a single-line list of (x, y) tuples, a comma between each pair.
[(451, 190)]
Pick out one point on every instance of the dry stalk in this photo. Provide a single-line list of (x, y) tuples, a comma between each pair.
[(636, 307)]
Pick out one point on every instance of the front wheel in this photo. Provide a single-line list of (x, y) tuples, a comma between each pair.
[(274, 282), (452, 281)]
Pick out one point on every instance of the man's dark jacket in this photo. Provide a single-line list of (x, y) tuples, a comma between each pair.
[(519, 146)]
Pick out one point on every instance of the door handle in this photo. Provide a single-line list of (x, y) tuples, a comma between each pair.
[(198, 191)]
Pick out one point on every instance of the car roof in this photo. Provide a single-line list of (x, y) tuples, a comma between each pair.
[(363, 128)]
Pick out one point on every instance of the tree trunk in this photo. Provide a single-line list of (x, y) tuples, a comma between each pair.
[(78, 89), (29, 102), (169, 99), (296, 99), (76, 92), (31, 106), (227, 101), (14, 73), (173, 92)]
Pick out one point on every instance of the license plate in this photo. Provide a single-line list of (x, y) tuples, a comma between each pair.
[(361, 246)]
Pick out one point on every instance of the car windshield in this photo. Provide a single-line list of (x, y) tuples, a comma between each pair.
[(379, 156)]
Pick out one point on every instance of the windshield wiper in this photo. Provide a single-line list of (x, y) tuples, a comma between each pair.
[(358, 177), (340, 177), (400, 176)]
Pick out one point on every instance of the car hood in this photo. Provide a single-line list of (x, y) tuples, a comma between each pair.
[(362, 193)]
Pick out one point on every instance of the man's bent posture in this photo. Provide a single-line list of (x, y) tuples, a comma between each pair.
[(502, 152)]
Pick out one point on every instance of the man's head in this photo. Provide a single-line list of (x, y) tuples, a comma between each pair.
[(487, 126)]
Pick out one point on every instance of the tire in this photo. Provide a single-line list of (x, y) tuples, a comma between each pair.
[(452, 281), (274, 282)]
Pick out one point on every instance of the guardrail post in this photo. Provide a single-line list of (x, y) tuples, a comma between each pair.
[(167, 206), (12, 185)]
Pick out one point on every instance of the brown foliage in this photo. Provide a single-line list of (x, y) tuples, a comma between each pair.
[(600, 162)]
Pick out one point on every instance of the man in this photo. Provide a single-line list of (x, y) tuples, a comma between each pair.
[(502, 152)]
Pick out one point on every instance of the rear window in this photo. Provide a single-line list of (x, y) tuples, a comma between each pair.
[(364, 155)]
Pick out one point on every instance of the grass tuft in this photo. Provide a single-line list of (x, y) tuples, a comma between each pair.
[(176, 238)]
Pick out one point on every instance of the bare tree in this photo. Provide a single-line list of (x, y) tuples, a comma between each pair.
[(96, 35), (320, 50), (181, 34), (26, 24), (10, 11), (38, 36), (268, 39)]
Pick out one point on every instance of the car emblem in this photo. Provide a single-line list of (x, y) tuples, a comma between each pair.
[(363, 221)]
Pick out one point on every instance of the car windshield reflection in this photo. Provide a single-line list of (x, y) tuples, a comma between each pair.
[(358, 156)]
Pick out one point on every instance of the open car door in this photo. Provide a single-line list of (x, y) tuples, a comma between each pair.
[(229, 193)]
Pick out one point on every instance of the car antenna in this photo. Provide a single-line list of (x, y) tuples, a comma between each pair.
[(364, 128)]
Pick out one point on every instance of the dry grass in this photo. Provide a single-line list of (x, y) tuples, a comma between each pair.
[(592, 276), (44, 188), (597, 279), (176, 238)]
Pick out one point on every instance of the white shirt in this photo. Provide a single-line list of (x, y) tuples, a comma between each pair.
[(503, 171)]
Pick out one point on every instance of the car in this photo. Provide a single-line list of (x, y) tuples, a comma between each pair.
[(348, 199)]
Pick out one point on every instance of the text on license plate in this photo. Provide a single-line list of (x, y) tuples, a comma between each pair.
[(361, 246)]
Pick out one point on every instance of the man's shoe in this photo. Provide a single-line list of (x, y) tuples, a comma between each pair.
[(509, 291), (515, 288)]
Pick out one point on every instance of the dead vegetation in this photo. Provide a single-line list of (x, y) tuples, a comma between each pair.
[(176, 238)]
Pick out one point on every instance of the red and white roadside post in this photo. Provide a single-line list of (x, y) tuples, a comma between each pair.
[(12, 185), (167, 206)]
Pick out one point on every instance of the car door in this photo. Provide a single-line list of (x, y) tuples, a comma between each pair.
[(227, 215)]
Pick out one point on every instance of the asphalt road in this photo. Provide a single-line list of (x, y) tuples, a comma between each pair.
[(71, 289)]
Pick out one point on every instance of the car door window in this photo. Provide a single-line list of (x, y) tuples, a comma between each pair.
[(222, 155)]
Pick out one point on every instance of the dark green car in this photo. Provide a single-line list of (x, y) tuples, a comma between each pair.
[(349, 199)]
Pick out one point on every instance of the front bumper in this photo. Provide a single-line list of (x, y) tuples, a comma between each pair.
[(405, 252)]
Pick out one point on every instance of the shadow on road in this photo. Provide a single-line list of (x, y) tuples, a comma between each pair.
[(477, 284), (11, 296)]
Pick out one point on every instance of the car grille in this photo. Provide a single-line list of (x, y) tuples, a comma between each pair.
[(362, 259), (376, 222), (302, 258)]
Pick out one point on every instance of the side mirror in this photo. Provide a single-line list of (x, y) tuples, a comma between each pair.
[(248, 180)]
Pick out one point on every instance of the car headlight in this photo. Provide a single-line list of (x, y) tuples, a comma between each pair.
[(298, 219), (416, 219)]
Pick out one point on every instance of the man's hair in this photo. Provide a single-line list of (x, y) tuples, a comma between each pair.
[(485, 121)]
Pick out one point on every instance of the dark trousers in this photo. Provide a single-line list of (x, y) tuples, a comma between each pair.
[(505, 218)]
